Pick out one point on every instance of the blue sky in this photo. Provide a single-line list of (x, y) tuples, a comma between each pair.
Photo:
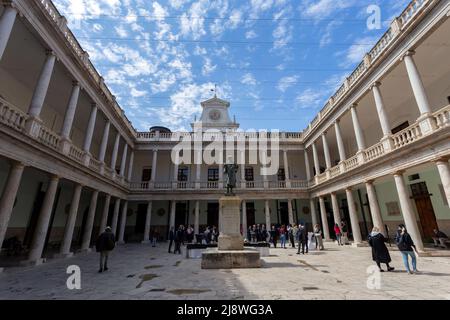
[(276, 61)]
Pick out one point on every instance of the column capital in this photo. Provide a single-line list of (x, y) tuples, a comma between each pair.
[(370, 181), (444, 159), (50, 52), (408, 53), (376, 84), (75, 83), (336, 122), (94, 104), (349, 189), (353, 106), (398, 173), (54, 177)]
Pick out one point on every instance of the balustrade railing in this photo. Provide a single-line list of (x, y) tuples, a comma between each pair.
[(374, 152), (351, 163), (94, 164), (48, 137), (335, 171), (442, 117), (76, 153), (407, 136), (12, 116)]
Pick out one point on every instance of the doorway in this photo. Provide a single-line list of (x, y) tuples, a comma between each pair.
[(213, 214), (181, 214), (283, 213), (251, 220), (141, 218), (425, 209)]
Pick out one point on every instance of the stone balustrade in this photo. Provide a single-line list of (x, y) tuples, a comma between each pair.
[(407, 136), (76, 153), (374, 152), (442, 117), (12, 116), (48, 137)]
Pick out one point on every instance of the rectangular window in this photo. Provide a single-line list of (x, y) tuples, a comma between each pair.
[(146, 174), (213, 174), (249, 175), (281, 174), (183, 174)]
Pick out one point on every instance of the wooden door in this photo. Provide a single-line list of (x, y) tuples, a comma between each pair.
[(425, 209)]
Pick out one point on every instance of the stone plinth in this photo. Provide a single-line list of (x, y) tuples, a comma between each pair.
[(233, 259), (230, 252)]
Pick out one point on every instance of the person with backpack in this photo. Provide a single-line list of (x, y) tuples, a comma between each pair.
[(407, 248), (106, 243)]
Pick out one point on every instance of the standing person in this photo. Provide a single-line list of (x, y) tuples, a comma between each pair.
[(283, 236), (440, 237), (407, 248), (337, 232), (274, 236), (190, 234), (249, 234), (171, 238), (380, 253), (253, 234), (105, 244), (155, 237), (318, 237), (178, 240), (292, 233), (344, 230), (302, 238)]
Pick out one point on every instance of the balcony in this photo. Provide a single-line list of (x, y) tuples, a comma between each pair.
[(398, 141)]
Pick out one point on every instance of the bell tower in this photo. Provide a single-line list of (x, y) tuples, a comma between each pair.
[(216, 115)]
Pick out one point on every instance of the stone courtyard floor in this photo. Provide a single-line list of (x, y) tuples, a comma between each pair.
[(142, 272)]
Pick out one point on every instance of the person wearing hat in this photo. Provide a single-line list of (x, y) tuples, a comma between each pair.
[(105, 244)]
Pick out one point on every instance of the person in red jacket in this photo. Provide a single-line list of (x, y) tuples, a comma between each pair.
[(337, 232)]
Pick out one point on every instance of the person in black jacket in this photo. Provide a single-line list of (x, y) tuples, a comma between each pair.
[(302, 238), (179, 235), (105, 244), (171, 238), (380, 253), (406, 246)]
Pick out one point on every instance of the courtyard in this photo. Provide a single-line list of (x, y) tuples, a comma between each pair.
[(144, 273)]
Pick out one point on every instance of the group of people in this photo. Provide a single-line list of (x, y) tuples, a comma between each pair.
[(180, 236)]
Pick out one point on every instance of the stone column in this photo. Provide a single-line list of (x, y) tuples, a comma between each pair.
[(104, 221), (115, 218), (307, 166), (382, 115), (427, 122), (291, 212), (198, 171), (242, 164), (148, 221), (173, 211), (267, 212), (221, 181), (312, 206), (374, 207), (361, 142), (407, 211), (444, 172), (40, 233), (123, 223), (40, 92), (87, 232), (286, 169), (244, 219), (104, 144), (115, 153), (326, 151), (6, 25), (340, 141), (70, 223), (69, 118), (356, 229), (336, 210), (175, 172), (89, 134), (316, 159), (323, 214), (124, 160), (154, 165), (197, 217), (9, 197), (130, 166)]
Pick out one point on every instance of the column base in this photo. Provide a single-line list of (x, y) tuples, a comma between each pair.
[(328, 174), (1, 270), (342, 166), (361, 158), (32, 126), (388, 144), (360, 245), (427, 123), (88, 250), (32, 263), (87, 159), (65, 145), (146, 242), (63, 255), (121, 242), (102, 168)]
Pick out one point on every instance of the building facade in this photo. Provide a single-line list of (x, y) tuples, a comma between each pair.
[(71, 163)]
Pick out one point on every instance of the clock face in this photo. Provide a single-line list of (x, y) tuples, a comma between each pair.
[(215, 115)]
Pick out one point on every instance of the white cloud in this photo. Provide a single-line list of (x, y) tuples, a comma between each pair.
[(250, 34), (248, 79), (287, 82)]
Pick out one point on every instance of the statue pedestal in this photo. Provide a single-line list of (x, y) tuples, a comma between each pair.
[(230, 252)]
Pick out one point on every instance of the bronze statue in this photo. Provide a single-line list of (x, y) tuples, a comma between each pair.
[(230, 170)]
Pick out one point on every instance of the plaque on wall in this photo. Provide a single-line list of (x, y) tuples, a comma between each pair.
[(393, 209), (161, 212), (306, 210)]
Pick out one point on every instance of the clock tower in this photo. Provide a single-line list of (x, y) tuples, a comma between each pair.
[(215, 115)]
